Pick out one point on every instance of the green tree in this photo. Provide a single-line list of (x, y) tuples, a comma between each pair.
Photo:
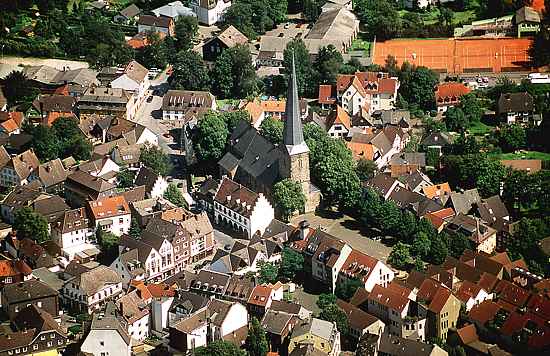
[(44, 142), (417, 86), (155, 54), (256, 340), (70, 139), (438, 251), (446, 17), (471, 107), (328, 64), (210, 137), (108, 243), (267, 272), (333, 313), (512, 137), (173, 195), (365, 169), (306, 75), (135, 230), (345, 290), (400, 256), (325, 299), (288, 197), (29, 224), (458, 243), (272, 129), (455, 120), (233, 74), (189, 72), (474, 171), (187, 28), (18, 88), (389, 218), (292, 262), (421, 245), (432, 157), (365, 346), (153, 157), (380, 18), (311, 10), (232, 118), (125, 178), (220, 348)]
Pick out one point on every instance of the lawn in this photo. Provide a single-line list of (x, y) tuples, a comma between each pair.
[(544, 156), (359, 44), (431, 17), (480, 129)]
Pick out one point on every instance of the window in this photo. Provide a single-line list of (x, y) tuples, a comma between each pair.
[(50, 344), (35, 347), (8, 279), (39, 304), (102, 343)]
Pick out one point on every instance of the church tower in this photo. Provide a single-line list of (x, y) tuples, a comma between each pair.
[(295, 153)]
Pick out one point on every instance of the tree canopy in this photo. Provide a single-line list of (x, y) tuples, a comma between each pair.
[(31, 225), (220, 348), (210, 137), (154, 158), (272, 130), (189, 72), (233, 75), (291, 263), (173, 195), (288, 197), (267, 272)]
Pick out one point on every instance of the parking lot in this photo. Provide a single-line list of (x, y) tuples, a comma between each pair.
[(289, 30)]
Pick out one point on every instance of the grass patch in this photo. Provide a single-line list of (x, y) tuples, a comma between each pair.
[(479, 128), (544, 156), (359, 44)]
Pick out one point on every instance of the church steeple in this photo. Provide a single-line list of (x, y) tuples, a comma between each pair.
[(293, 136)]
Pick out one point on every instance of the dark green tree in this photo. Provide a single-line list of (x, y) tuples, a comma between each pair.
[(125, 178), (233, 74), (18, 88), (189, 72), (333, 313), (345, 290), (417, 86), (135, 230), (173, 195), (288, 197), (187, 28), (306, 75), (400, 256), (540, 48), (220, 348), (155, 54), (232, 118), (325, 299), (474, 171), (471, 107), (210, 137), (380, 18), (455, 120), (153, 157), (365, 169), (267, 272), (70, 139), (512, 137), (108, 243), (328, 64), (256, 341), (438, 251), (31, 225), (421, 246), (44, 142), (458, 243), (272, 129), (291, 263)]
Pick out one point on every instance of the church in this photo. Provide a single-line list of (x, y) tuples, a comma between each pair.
[(258, 164)]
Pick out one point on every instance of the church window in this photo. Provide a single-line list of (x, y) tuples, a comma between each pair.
[(300, 164)]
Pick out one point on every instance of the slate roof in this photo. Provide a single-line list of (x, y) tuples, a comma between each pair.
[(28, 290), (146, 177), (130, 11), (515, 102), (398, 346), (174, 9), (464, 202), (276, 322), (53, 102)]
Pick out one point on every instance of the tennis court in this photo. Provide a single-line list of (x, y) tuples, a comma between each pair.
[(458, 55)]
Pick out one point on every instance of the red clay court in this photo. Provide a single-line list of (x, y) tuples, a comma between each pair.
[(458, 55)]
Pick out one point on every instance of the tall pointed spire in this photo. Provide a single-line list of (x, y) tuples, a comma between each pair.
[(293, 135)]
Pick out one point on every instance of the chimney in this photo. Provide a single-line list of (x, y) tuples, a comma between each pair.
[(303, 225)]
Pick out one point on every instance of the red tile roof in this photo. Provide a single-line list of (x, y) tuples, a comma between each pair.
[(12, 268), (339, 116), (389, 298), (159, 290), (511, 293), (484, 311), (439, 300), (260, 295), (540, 305), (326, 94), (468, 290), (109, 207), (450, 91), (358, 265), (468, 334), (516, 322), (427, 289)]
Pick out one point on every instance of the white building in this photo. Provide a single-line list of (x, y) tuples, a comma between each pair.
[(366, 268), (72, 233), (184, 104), (155, 185), (366, 92), (90, 290), (210, 11), (107, 336), (111, 214), (134, 310), (242, 209), (134, 79)]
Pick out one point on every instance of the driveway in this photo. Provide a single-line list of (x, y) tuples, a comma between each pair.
[(348, 230)]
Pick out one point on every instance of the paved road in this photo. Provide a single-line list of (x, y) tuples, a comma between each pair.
[(348, 230)]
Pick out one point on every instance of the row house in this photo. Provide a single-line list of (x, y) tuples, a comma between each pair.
[(322, 334), (397, 307), (73, 233), (18, 170), (155, 184), (20, 197), (90, 290), (482, 236), (36, 333), (53, 106), (103, 102), (80, 187), (242, 209), (218, 320), (361, 322), (135, 314), (18, 296), (366, 92), (186, 104), (378, 146)]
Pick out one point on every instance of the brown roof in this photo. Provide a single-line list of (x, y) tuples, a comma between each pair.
[(73, 220), (484, 311), (57, 103), (260, 295), (85, 179), (515, 102), (135, 194), (358, 265), (27, 290), (339, 116), (389, 298), (327, 94), (367, 82), (511, 293), (529, 165), (232, 37), (357, 318), (25, 163), (468, 334), (161, 21), (181, 100), (13, 268), (236, 197), (52, 173)]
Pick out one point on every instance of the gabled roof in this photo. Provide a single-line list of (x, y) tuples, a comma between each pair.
[(388, 298), (27, 290), (515, 102), (236, 197), (339, 116), (109, 207), (511, 293), (357, 318), (450, 91), (484, 311), (95, 279), (161, 21), (52, 173), (13, 268), (327, 94), (130, 11), (231, 37), (527, 14), (464, 202)]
